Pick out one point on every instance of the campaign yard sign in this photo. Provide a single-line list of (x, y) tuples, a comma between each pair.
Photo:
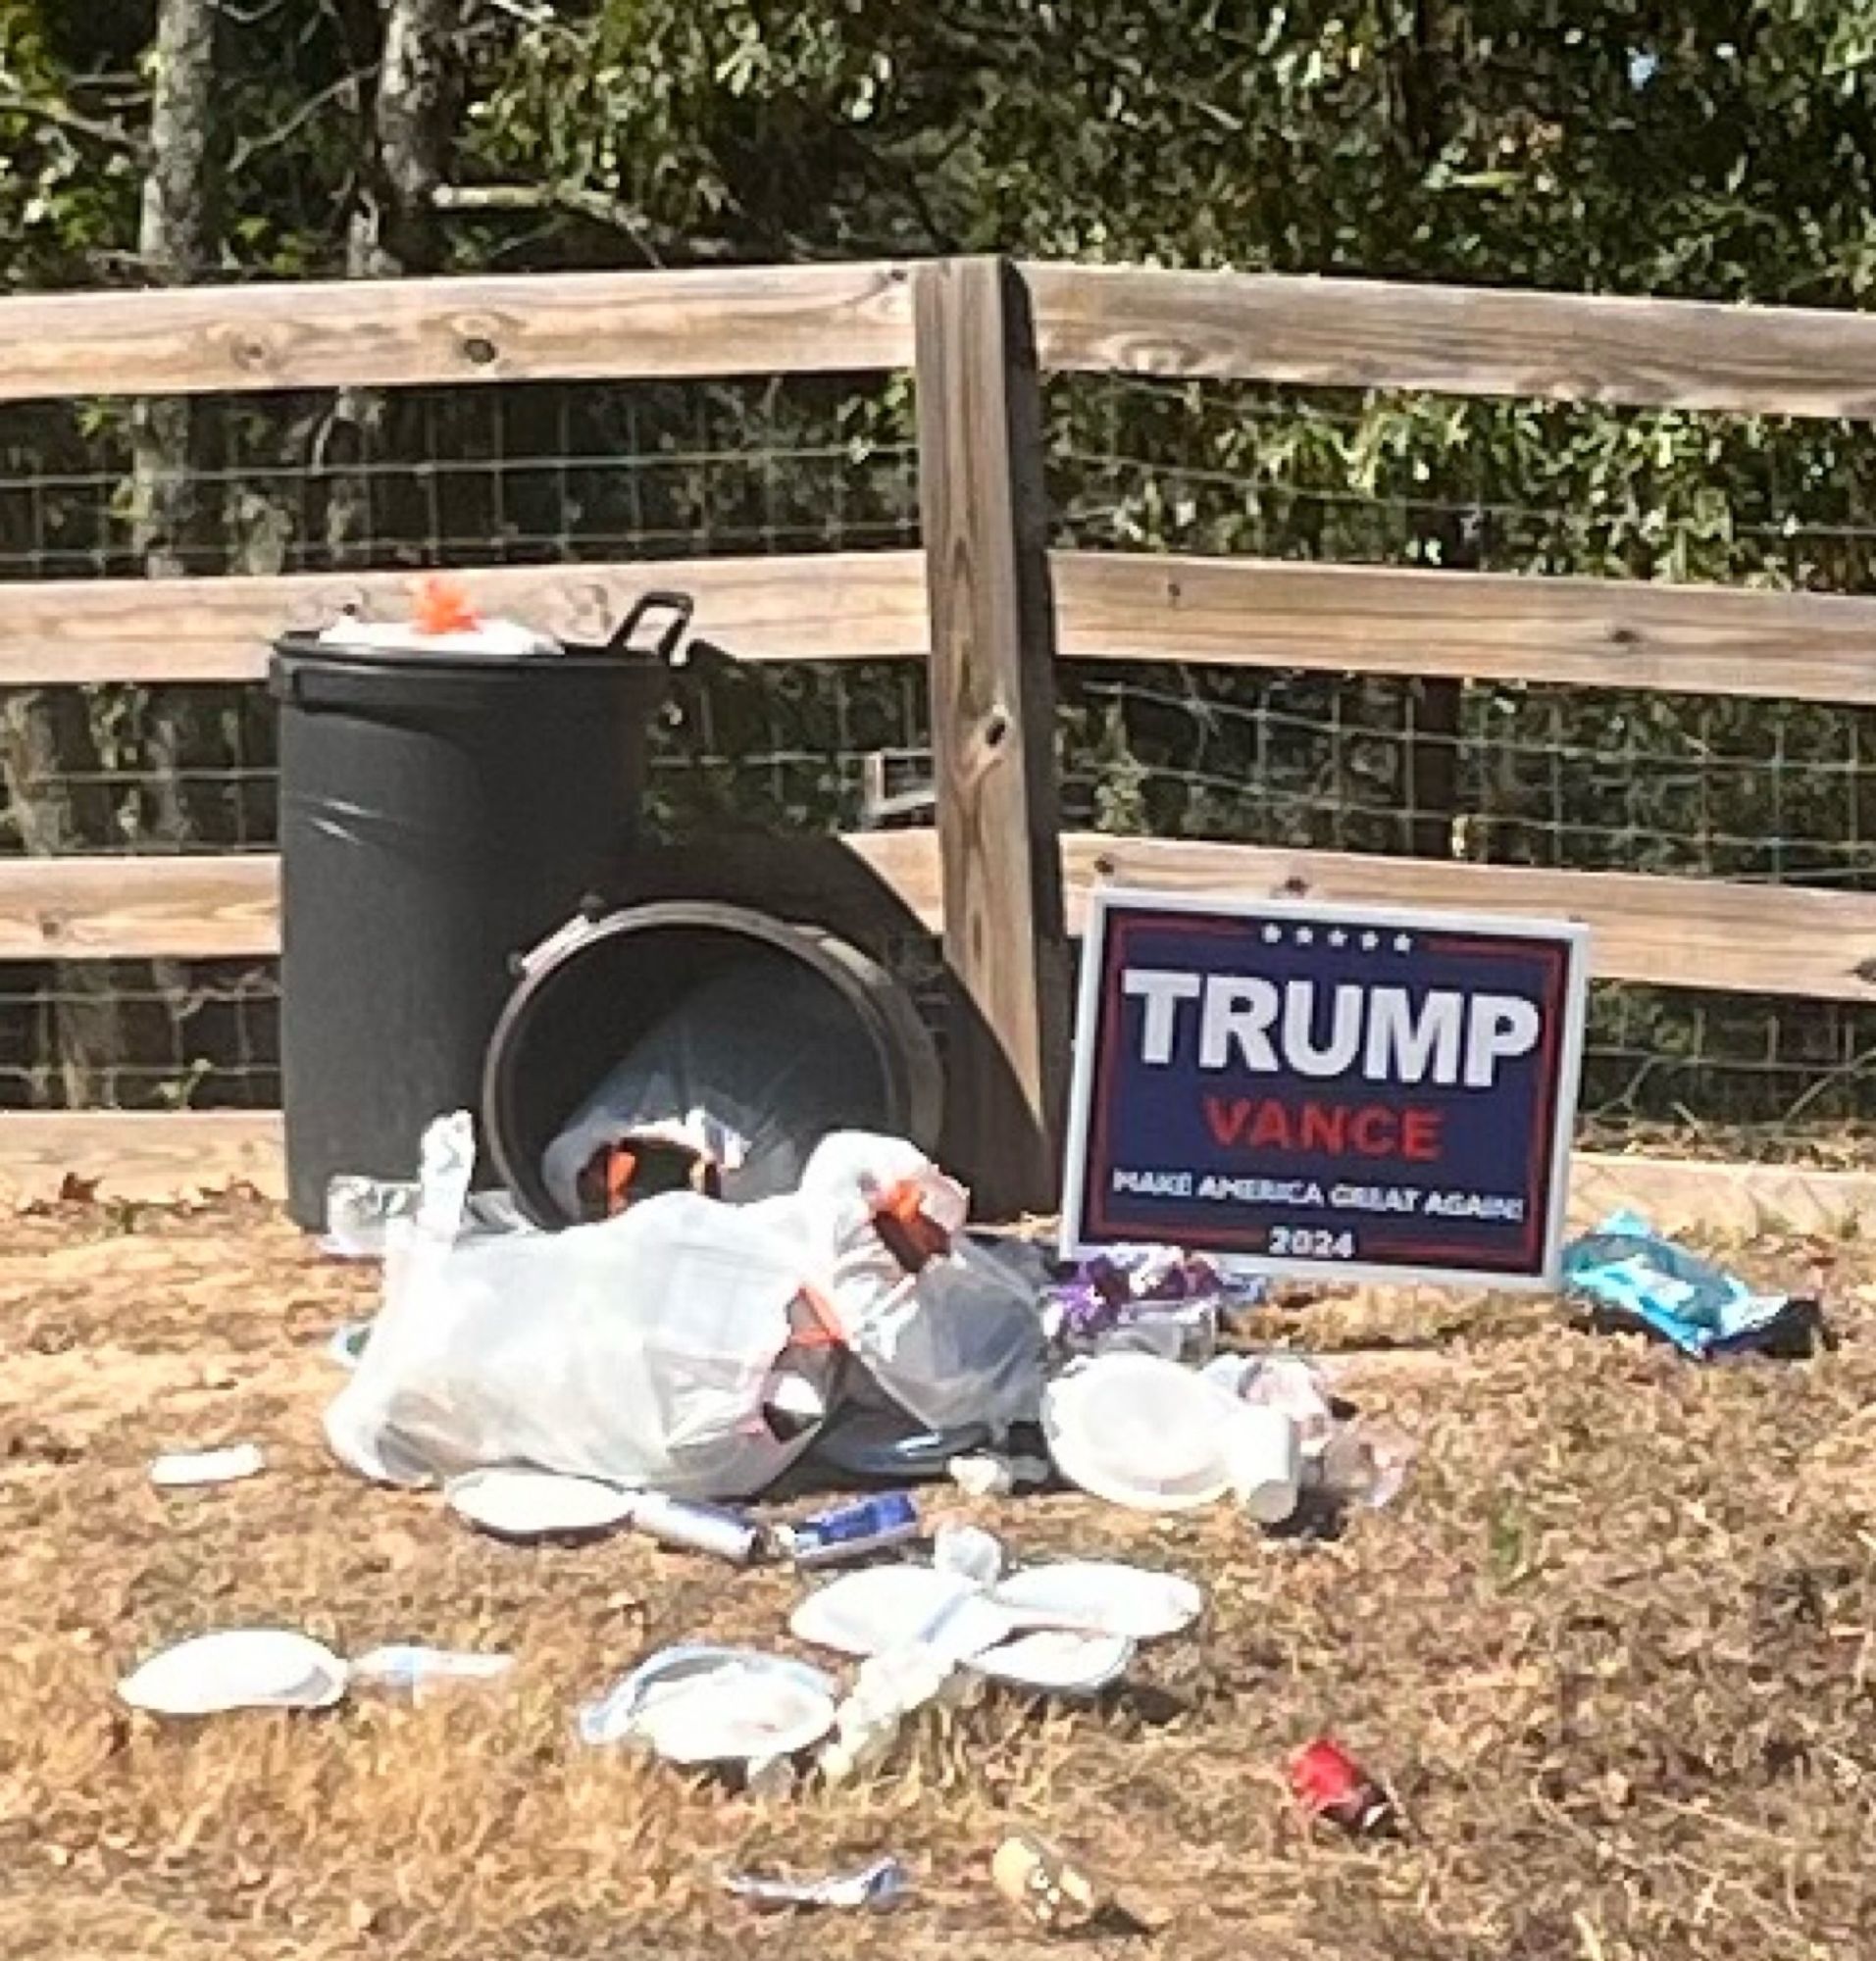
[(1387, 1094)]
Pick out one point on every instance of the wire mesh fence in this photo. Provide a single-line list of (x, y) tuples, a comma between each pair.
[(1510, 774), (551, 473)]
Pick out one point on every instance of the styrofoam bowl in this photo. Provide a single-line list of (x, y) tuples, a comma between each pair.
[(704, 1705), (877, 1609), (238, 1668), (1058, 1661), (522, 1504), (1096, 1596), (1139, 1432)]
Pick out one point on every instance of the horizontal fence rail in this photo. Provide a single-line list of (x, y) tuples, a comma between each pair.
[(854, 606), (1456, 340), (1746, 938), (1467, 626), (569, 327), (1112, 606)]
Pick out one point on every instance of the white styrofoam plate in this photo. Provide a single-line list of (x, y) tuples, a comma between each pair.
[(1058, 1660), (702, 1705), (876, 1609), (536, 1504), (1099, 1597), (1140, 1431), (239, 1668)]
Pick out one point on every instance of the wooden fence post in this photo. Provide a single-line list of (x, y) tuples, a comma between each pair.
[(984, 510)]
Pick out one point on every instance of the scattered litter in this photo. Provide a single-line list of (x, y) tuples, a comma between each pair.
[(697, 1527), (1058, 1894), (1263, 1451), (522, 1504), (736, 1110), (1155, 1300), (610, 1156), (686, 1311), (1067, 1630), (358, 1213), (1058, 1661), (874, 1888), (1633, 1277), (945, 1326), (717, 1327), (1363, 1465), (883, 1608), (852, 1531), (1100, 1597), (239, 1668), (179, 1468), (421, 1672), (1291, 1384), (984, 1474), (700, 1705), (890, 1689), (1329, 1784), (969, 1552), (363, 1213), (888, 1446), (1140, 1431)]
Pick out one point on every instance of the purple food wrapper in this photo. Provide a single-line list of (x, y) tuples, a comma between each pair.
[(1126, 1283)]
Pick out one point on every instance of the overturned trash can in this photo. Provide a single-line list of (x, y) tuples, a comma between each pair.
[(696, 1044), (441, 808)]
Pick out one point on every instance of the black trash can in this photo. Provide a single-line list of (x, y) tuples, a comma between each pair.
[(440, 812), (781, 1032)]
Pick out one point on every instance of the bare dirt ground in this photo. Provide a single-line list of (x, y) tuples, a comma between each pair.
[(1614, 1645)]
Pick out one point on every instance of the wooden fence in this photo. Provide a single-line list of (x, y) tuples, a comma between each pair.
[(984, 599)]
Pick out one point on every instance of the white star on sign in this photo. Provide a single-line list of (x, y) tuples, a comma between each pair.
[(1305, 934), (1272, 934), (1369, 942), (1338, 937), (1402, 944)]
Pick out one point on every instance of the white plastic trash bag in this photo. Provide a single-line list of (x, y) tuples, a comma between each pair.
[(641, 1350), (715, 1072), (949, 1332)]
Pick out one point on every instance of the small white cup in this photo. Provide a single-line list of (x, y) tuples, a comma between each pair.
[(1263, 1455)]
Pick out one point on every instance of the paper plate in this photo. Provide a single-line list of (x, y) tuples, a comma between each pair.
[(879, 1608), (704, 1705), (537, 1504), (1100, 1597), (1139, 1432), (241, 1668), (1058, 1661)]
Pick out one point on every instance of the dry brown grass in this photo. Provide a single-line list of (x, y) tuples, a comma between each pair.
[(1614, 1646)]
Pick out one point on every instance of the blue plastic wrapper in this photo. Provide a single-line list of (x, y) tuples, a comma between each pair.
[(1629, 1274)]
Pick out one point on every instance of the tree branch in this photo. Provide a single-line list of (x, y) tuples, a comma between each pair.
[(285, 133), (73, 123), (571, 199)]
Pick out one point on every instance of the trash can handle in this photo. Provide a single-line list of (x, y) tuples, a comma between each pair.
[(680, 605)]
